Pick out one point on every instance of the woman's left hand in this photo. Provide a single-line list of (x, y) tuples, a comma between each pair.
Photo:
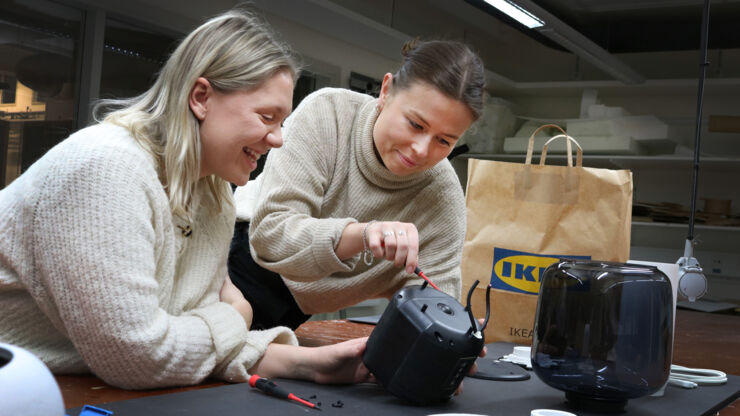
[(330, 364), (474, 367)]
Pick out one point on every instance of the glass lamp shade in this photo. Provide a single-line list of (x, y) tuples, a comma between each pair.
[(603, 332)]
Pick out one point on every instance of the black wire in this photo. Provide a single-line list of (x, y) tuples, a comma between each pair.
[(488, 307), (699, 102), (469, 308)]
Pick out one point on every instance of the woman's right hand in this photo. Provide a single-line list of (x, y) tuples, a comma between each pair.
[(395, 241)]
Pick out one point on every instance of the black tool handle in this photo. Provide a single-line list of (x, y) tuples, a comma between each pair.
[(271, 388)]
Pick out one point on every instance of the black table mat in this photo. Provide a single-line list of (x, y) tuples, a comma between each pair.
[(479, 397)]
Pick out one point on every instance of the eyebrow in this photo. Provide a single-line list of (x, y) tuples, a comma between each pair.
[(417, 115)]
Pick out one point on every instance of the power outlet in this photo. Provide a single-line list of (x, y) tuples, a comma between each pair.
[(720, 263), (716, 266)]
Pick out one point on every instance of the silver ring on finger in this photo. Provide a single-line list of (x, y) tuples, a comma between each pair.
[(401, 233), (387, 233)]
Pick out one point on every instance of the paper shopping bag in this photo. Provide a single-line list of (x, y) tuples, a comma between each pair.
[(523, 217)]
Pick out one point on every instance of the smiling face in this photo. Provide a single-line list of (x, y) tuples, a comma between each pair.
[(238, 127), (417, 127)]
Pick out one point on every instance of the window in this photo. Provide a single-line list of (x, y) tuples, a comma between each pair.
[(132, 57), (7, 89), (38, 58)]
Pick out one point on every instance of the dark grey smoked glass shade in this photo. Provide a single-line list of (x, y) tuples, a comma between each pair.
[(603, 332)]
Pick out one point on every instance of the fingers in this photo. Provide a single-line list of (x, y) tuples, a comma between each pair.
[(395, 241), (374, 237), (412, 257), (390, 241), (357, 346), (371, 378), (473, 369)]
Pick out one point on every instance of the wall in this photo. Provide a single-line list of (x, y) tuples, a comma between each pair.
[(346, 57)]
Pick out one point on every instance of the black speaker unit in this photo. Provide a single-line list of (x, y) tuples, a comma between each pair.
[(424, 344)]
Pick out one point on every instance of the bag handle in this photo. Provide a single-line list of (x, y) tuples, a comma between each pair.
[(569, 150), (530, 146)]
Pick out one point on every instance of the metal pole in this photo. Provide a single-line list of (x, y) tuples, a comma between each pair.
[(697, 137)]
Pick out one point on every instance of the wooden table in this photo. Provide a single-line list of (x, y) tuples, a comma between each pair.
[(702, 340)]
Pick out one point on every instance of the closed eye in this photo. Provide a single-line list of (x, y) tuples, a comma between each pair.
[(415, 125), (444, 142)]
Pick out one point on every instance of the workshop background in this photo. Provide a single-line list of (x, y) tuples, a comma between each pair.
[(620, 75)]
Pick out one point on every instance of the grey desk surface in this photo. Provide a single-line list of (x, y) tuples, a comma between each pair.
[(479, 397)]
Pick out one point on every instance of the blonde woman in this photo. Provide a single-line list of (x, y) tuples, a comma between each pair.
[(113, 246)]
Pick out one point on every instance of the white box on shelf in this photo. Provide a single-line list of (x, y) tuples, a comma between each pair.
[(637, 127), (592, 145)]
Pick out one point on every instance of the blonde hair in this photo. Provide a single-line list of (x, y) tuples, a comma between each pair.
[(233, 51)]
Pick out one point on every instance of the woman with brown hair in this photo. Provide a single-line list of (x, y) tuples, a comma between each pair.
[(359, 181)]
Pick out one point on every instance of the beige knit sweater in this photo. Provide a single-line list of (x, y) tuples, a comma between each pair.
[(326, 176), (96, 276)]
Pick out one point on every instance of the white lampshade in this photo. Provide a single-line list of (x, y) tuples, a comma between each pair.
[(27, 386)]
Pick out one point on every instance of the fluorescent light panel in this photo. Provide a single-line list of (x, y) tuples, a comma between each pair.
[(517, 13)]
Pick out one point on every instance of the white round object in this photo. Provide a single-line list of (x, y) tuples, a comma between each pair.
[(692, 284), (28, 387), (550, 412)]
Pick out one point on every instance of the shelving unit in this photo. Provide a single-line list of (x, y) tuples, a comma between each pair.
[(708, 237), (618, 162)]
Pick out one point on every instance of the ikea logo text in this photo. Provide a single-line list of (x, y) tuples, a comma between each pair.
[(520, 272)]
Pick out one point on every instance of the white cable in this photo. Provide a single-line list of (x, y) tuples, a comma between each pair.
[(691, 377), (682, 383), (680, 376)]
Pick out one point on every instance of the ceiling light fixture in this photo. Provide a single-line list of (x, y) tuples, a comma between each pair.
[(517, 13), (531, 15)]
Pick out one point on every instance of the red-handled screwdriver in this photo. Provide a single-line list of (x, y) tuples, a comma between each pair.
[(423, 276), (271, 388), (419, 273)]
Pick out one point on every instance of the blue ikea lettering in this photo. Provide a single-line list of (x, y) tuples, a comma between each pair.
[(520, 272)]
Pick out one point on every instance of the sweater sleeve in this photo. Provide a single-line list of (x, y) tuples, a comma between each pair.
[(96, 251), (286, 234)]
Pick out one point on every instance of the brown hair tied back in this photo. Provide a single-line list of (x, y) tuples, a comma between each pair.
[(409, 46), (450, 66)]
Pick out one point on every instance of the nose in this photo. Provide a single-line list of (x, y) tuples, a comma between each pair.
[(420, 146), (274, 138)]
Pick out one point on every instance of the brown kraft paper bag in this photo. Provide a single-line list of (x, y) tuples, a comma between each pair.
[(523, 217)]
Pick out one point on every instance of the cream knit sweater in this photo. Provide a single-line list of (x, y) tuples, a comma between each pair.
[(96, 276), (326, 176)]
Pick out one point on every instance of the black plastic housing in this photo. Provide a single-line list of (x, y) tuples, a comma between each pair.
[(423, 345)]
